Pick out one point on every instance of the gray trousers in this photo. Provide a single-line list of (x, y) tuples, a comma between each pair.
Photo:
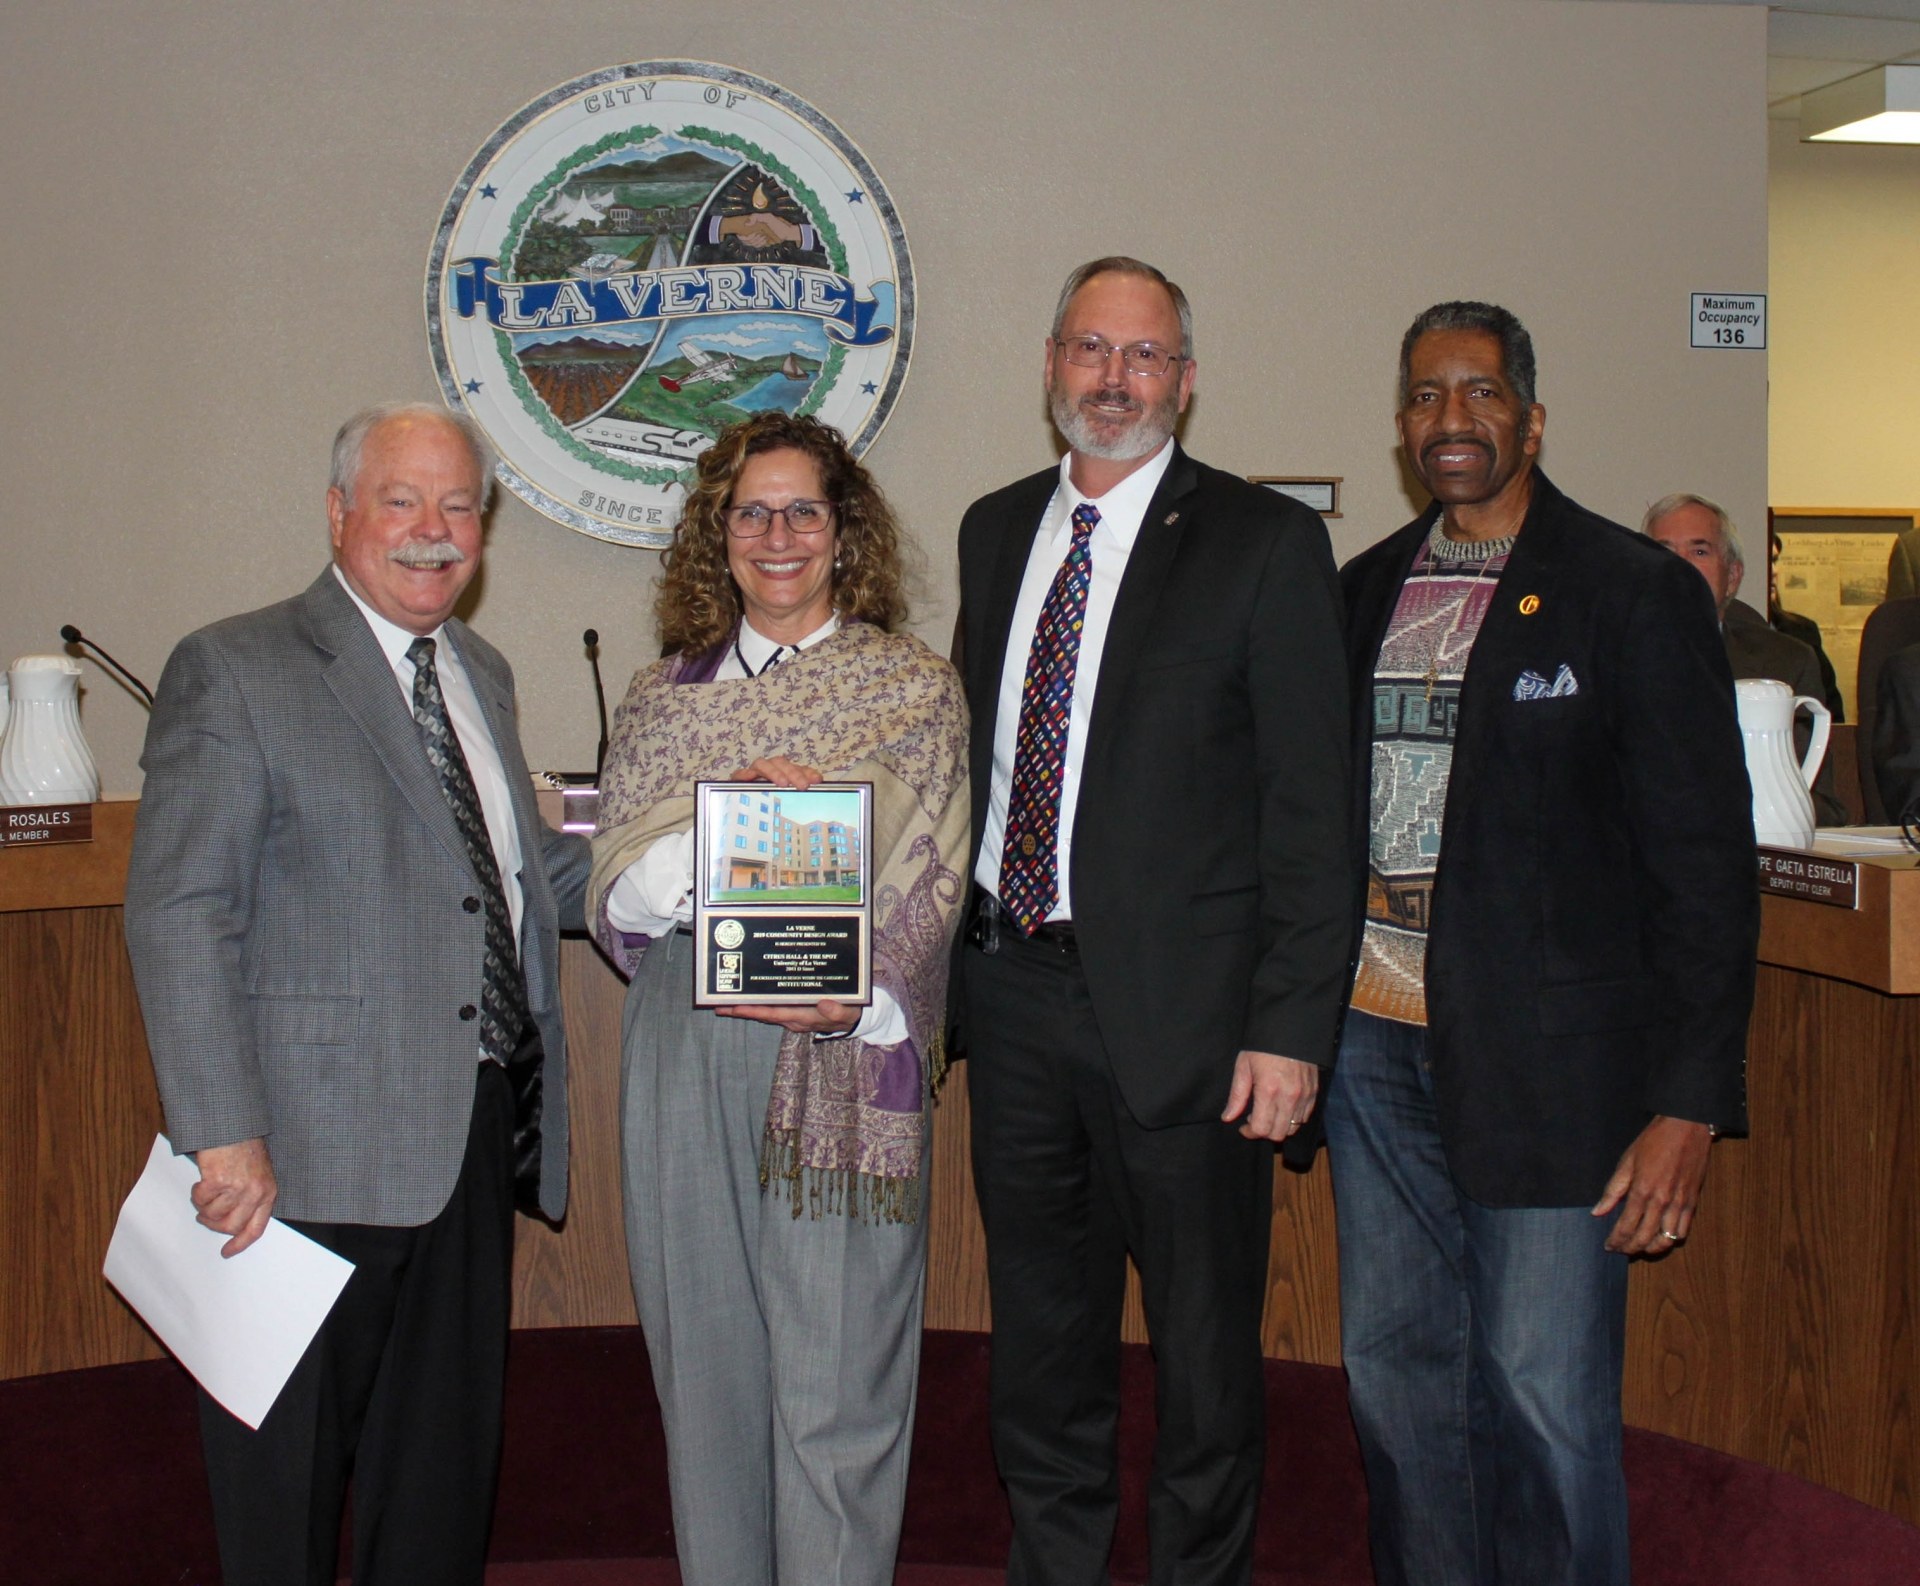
[(785, 1350)]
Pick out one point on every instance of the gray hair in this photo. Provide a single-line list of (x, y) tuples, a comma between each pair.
[(1723, 525), (1516, 346), (350, 442), (1120, 264)]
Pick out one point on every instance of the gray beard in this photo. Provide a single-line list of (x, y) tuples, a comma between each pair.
[(1147, 434)]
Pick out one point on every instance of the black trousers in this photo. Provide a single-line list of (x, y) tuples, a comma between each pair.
[(400, 1390), (1069, 1184)]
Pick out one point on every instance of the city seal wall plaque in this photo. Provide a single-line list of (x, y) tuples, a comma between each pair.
[(647, 254)]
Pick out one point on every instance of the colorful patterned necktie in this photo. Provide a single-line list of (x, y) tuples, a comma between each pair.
[(503, 989), (1029, 868)]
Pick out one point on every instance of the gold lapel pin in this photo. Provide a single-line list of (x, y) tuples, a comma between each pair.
[(1529, 604)]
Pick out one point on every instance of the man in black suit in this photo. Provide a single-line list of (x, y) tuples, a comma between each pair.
[(1556, 961), (1158, 944)]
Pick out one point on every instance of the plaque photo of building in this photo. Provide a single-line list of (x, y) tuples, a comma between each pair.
[(771, 845)]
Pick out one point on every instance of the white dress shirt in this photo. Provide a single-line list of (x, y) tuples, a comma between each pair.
[(654, 894), (1121, 511), (476, 740)]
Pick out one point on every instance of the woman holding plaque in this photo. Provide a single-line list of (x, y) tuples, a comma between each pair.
[(774, 1155)]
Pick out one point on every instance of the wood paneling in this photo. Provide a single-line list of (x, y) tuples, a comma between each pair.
[(1784, 1331), (78, 1112), (577, 1276)]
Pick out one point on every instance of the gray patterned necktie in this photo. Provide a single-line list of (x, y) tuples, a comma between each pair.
[(503, 990)]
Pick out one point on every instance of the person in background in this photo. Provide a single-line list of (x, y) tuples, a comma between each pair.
[(1556, 946), (1896, 734), (343, 912), (1805, 629), (1158, 941), (1701, 534), (775, 1157), (1903, 565)]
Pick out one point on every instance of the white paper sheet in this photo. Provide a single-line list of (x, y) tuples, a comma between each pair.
[(240, 1325), (1861, 842)]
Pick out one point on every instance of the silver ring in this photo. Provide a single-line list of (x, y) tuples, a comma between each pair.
[(1668, 1234)]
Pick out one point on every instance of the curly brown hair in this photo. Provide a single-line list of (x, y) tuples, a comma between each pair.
[(699, 603)]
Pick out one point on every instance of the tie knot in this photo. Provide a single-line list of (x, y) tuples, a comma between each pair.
[(420, 652), (1085, 516)]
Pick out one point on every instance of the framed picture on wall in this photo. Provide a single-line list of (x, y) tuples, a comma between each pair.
[(1833, 568)]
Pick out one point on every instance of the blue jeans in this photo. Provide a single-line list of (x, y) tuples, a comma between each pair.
[(1483, 1348)]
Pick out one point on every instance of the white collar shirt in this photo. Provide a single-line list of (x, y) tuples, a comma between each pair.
[(1122, 510), (476, 739), (752, 652)]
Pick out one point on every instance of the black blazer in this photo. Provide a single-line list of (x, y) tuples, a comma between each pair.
[(1590, 959), (1211, 857)]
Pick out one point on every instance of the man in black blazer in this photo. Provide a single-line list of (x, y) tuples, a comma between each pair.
[(1158, 944), (1556, 961)]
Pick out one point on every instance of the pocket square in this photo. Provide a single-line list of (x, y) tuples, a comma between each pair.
[(1531, 685)]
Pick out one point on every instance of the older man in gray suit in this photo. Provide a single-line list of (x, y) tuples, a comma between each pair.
[(343, 913)]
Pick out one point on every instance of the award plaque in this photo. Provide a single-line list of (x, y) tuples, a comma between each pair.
[(782, 906)]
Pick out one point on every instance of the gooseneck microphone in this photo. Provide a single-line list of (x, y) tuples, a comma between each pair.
[(591, 639), (73, 635)]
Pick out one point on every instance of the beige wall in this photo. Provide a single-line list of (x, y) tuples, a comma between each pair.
[(218, 217), (1844, 254)]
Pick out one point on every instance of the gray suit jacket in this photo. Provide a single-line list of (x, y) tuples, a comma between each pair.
[(300, 914)]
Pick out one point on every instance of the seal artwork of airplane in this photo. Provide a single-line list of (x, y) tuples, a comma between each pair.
[(705, 367)]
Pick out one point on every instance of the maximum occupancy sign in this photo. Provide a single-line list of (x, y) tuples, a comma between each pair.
[(647, 254)]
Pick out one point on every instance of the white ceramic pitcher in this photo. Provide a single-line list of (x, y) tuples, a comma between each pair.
[(44, 758), (1782, 800)]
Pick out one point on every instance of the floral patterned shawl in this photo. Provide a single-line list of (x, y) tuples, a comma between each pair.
[(844, 1126)]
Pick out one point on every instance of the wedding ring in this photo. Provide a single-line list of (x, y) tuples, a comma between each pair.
[(1668, 1234)]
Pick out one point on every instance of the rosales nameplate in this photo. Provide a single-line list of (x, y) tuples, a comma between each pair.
[(782, 909), (1813, 878), (38, 825)]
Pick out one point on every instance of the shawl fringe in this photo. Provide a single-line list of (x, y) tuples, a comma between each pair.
[(833, 1192)]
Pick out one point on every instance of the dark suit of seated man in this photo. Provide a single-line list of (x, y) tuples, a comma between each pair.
[(343, 912), (1896, 731), (1701, 534)]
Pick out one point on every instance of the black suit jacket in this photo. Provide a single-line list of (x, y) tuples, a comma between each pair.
[(1590, 958), (1896, 731), (1210, 866)]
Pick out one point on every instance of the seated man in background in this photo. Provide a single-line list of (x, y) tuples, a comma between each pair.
[(1896, 731), (1699, 532)]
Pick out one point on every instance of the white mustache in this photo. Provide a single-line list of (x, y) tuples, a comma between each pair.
[(427, 553)]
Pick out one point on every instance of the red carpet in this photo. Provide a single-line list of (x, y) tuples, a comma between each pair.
[(663, 1572), (101, 1485)]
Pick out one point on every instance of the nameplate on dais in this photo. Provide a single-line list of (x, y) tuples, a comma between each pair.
[(1813, 878), (38, 825)]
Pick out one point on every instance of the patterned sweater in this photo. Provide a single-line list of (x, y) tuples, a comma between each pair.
[(1416, 713)]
